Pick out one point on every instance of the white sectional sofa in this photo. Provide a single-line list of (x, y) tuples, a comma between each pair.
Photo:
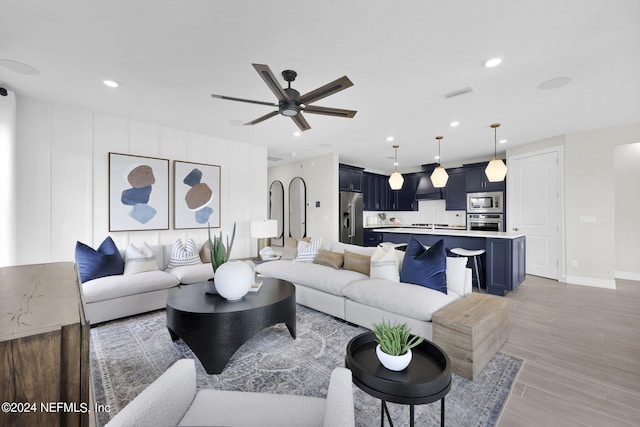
[(113, 297), (359, 299)]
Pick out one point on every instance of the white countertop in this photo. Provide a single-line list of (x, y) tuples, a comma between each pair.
[(441, 232)]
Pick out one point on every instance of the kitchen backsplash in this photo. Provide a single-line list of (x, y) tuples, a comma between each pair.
[(429, 211)]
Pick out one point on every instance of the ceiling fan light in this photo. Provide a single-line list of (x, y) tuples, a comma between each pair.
[(496, 170), (289, 112), (396, 180), (439, 177)]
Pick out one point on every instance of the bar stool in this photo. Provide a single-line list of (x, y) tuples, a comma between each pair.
[(475, 254)]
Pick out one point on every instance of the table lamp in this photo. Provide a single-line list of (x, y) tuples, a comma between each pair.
[(262, 230)]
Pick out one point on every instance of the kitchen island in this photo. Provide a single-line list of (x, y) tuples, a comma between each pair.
[(504, 260)]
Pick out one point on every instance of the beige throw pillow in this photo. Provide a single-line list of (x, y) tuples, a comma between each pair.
[(290, 249), (357, 262), (330, 259), (205, 253)]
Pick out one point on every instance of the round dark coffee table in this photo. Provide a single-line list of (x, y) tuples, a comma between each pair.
[(426, 379), (215, 328)]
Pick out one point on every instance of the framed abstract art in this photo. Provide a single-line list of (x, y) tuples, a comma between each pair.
[(196, 199), (138, 193)]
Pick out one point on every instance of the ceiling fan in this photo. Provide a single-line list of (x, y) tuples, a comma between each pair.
[(291, 103)]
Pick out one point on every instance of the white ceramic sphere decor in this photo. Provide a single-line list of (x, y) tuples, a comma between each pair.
[(233, 280), (393, 363)]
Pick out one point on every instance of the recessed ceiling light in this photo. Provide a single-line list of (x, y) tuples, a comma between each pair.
[(454, 124), (297, 133), (493, 62), (554, 83), (502, 141), (110, 83), (390, 138)]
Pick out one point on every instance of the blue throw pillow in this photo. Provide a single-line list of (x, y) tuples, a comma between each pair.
[(425, 267), (92, 264)]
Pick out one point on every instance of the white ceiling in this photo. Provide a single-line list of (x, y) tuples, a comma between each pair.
[(402, 56)]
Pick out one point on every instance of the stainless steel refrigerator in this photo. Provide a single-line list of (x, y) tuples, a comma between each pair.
[(351, 218)]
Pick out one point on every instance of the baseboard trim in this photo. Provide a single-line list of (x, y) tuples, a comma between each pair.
[(591, 281), (627, 275)]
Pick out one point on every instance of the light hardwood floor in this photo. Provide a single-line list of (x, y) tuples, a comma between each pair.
[(581, 347)]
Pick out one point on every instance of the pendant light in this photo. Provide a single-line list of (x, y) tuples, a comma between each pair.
[(439, 177), (496, 169), (396, 180)]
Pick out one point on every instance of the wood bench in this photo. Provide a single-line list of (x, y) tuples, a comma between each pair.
[(471, 331)]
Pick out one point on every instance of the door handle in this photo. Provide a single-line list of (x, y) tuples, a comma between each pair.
[(515, 229)]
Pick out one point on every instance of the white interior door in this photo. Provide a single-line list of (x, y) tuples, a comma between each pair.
[(533, 202)]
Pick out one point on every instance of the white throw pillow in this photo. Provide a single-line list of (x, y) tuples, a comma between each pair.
[(307, 251), (138, 260), (385, 264), (182, 254), (455, 272)]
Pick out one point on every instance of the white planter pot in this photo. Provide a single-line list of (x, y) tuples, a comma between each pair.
[(233, 280), (393, 363)]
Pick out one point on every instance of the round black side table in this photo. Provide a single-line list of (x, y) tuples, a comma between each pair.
[(426, 379)]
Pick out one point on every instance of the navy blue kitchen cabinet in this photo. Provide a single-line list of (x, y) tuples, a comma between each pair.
[(477, 181), (375, 192), (350, 178), (506, 267), (456, 190), (371, 238), (405, 198)]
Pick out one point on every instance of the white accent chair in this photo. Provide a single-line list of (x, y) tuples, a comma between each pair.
[(171, 400)]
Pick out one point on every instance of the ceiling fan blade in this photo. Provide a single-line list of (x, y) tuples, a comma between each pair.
[(326, 90), (231, 98), (271, 81), (335, 112), (301, 122), (262, 118)]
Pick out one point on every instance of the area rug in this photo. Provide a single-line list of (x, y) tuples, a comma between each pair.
[(129, 354)]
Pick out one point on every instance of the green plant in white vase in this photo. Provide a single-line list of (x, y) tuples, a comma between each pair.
[(394, 344), (219, 253)]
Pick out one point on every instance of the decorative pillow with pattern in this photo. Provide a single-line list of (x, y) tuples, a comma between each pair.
[(139, 260), (182, 254), (385, 264), (307, 251)]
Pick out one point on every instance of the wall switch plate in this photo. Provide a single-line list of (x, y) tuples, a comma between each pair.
[(574, 263), (318, 204)]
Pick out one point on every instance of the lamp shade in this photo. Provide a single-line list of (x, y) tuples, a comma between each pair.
[(439, 177), (396, 180), (496, 170), (264, 228)]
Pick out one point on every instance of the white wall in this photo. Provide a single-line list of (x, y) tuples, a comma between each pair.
[(62, 179), (590, 190), (8, 196), (320, 175), (627, 170)]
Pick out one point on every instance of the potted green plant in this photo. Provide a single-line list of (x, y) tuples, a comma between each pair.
[(219, 253), (394, 344)]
